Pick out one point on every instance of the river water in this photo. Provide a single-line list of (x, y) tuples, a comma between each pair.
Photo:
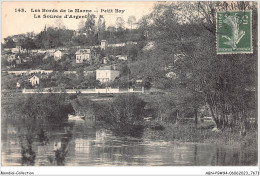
[(81, 144)]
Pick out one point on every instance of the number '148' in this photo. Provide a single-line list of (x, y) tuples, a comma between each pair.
[(20, 10)]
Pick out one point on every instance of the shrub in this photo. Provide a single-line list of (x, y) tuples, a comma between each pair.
[(50, 106), (125, 115)]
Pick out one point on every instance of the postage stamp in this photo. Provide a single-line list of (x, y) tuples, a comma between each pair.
[(234, 32)]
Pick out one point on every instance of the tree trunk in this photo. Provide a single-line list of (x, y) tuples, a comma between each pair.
[(177, 116), (196, 118)]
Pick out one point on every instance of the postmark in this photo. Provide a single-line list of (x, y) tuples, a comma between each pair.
[(234, 32)]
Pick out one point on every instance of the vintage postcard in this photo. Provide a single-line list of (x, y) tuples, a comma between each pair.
[(129, 84)]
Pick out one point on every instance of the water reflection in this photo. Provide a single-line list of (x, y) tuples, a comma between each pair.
[(79, 144), (28, 155), (61, 148), (43, 137)]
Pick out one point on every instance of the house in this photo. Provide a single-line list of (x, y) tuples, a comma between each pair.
[(83, 55), (34, 80), (57, 55), (18, 60), (18, 84), (106, 74), (121, 57), (103, 45)]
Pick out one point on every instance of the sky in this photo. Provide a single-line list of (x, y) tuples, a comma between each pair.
[(15, 22)]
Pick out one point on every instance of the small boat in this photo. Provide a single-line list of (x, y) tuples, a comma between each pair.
[(76, 118)]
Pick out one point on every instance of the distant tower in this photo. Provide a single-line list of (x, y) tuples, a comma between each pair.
[(103, 45)]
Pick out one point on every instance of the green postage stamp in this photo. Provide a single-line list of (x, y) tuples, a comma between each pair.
[(234, 32)]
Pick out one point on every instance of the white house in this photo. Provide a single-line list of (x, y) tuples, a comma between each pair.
[(34, 80), (18, 60), (83, 55), (57, 55), (18, 85), (106, 74)]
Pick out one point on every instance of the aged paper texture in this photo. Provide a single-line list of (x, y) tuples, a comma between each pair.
[(129, 84)]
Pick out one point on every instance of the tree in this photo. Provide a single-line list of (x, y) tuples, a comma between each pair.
[(90, 25), (9, 43), (131, 21), (147, 82), (101, 27), (59, 24), (28, 44), (51, 107), (81, 25), (124, 70), (125, 115), (90, 82), (80, 40), (120, 23), (219, 80), (65, 37)]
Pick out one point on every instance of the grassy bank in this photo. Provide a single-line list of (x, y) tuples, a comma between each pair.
[(188, 133)]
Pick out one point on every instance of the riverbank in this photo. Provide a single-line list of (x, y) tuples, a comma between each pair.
[(183, 132), (189, 133)]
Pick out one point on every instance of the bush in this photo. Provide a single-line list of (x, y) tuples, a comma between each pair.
[(83, 106), (125, 115), (49, 107), (156, 126)]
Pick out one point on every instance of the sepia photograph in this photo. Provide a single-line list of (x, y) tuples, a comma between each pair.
[(129, 84)]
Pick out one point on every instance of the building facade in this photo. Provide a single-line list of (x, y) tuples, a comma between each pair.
[(34, 80), (103, 45), (83, 55), (106, 74)]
